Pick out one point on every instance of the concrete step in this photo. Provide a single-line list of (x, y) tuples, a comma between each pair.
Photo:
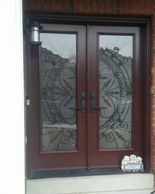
[(148, 191), (102, 184)]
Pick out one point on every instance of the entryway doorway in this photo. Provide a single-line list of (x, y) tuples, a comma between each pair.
[(87, 95)]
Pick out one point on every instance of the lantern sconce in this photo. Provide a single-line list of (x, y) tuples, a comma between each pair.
[(35, 33)]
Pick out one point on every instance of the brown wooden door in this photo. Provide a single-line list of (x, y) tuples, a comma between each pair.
[(115, 126), (57, 115), (86, 97)]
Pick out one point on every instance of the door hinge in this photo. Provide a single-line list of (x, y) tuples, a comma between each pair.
[(28, 102), (25, 140)]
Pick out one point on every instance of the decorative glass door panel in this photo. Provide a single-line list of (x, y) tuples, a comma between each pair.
[(58, 91), (115, 90)]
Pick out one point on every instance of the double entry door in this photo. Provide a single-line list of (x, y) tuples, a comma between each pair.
[(86, 97)]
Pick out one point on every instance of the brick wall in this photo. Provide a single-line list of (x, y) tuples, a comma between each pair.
[(108, 7)]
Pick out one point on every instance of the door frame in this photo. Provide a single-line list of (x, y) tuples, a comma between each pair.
[(142, 22)]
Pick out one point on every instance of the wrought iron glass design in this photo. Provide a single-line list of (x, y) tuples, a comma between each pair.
[(115, 91), (58, 91)]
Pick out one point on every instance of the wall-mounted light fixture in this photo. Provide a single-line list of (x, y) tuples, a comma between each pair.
[(35, 33)]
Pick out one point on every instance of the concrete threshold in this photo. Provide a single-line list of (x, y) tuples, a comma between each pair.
[(141, 183)]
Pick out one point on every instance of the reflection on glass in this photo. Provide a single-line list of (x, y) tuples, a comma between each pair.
[(115, 85), (58, 91)]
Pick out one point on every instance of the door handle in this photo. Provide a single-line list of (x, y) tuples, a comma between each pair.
[(93, 107), (92, 102), (82, 103)]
